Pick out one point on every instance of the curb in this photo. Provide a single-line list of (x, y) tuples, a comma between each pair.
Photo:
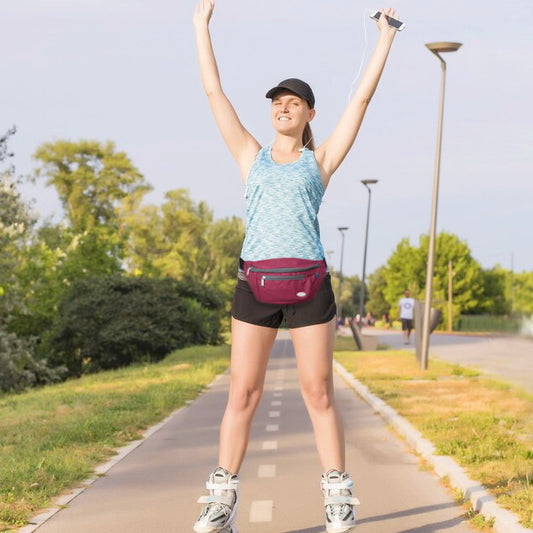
[(62, 501), (444, 466)]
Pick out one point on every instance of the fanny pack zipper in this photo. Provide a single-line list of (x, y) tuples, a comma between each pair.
[(282, 270), (279, 278)]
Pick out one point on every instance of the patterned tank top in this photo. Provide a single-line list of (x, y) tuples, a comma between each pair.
[(282, 203)]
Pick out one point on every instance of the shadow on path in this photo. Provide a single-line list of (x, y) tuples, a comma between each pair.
[(427, 528)]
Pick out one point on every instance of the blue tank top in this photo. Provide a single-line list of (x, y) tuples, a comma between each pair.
[(282, 203)]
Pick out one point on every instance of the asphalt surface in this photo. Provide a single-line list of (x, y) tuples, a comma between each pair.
[(154, 488)]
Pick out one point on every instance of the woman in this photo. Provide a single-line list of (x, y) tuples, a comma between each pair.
[(285, 183)]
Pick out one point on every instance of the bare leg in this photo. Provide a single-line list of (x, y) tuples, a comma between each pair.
[(314, 355), (250, 349)]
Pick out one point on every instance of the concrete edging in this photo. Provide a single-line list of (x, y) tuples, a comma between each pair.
[(444, 466)]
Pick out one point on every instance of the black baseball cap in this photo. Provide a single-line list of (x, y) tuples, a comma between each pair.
[(296, 86)]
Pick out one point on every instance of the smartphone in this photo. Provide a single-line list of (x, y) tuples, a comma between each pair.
[(395, 23)]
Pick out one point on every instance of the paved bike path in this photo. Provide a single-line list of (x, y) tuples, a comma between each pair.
[(155, 487)]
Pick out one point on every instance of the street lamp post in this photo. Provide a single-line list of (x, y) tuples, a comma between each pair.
[(435, 48), (342, 229), (366, 183)]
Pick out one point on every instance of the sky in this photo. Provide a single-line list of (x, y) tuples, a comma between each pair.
[(126, 71)]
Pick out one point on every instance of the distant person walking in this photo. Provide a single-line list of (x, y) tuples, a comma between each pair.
[(406, 307), (282, 273)]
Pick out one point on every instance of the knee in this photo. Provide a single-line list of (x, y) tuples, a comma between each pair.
[(318, 396), (243, 398)]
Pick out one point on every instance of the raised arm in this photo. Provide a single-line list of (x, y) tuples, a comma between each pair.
[(241, 144), (332, 152)]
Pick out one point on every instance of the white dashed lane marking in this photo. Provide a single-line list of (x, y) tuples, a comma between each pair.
[(261, 511), (272, 427), (275, 403), (266, 471), (270, 445), (273, 414)]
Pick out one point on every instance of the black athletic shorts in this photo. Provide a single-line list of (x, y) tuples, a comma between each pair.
[(319, 310), (407, 323)]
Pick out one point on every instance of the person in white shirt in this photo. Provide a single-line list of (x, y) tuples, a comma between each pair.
[(406, 307)]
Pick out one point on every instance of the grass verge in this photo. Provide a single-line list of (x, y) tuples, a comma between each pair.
[(52, 438), (485, 425)]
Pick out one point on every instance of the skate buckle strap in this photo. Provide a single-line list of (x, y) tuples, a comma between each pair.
[(231, 485), (341, 500), (225, 499)]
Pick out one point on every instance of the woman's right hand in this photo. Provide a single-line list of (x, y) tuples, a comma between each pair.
[(202, 13)]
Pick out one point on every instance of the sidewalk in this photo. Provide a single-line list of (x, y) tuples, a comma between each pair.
[(154, 488)]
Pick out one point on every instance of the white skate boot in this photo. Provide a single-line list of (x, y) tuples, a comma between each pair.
[(220, 513), (338, 501)]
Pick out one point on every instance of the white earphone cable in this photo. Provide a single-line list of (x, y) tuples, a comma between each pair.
[(363, 57)]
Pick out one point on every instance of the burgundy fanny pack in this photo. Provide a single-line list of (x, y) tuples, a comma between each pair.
[(285, 281)]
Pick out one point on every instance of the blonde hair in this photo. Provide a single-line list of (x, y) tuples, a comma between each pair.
[(307, 138)]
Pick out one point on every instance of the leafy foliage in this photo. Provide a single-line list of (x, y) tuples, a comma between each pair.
[(522, 293), (351, 293), (97, 186), (495, 282), (95, 183), (377, 304), (50, 265), (113, 321), (19, 367), (406, 268), (180, 239)]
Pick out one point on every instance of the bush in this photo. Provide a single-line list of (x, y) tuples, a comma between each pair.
[(114, 321), (19, 369)]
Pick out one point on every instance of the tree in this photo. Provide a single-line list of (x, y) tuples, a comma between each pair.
[(98, 187), (377, 304), (406, 268), (16, 223), (180, 239), (495, 282), (223, 242), (19, 368), (96, 184), (54, 260), (351, 292), (523, 293), (167, 241)]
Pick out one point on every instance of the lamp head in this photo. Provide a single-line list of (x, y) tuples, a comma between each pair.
[(368, 182), (343, 228), (443, 46)]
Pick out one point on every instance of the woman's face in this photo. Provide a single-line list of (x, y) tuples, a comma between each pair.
[(290, 113)]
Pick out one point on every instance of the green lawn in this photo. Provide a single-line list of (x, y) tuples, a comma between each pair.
[(52, 438)]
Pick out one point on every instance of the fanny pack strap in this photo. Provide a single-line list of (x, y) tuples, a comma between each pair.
[(241, 264)]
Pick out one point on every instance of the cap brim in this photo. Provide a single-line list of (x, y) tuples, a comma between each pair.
[(277, 89)]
